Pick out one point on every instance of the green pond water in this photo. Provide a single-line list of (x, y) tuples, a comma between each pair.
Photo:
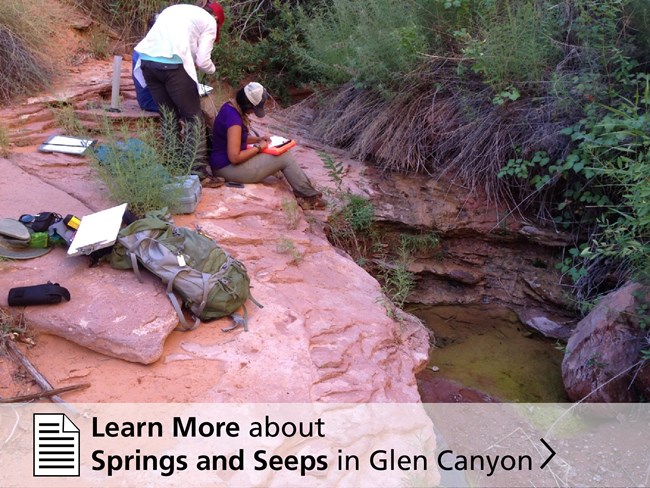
[(486, 348)]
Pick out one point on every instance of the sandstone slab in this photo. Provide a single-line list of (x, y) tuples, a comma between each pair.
[(323, 334), (95, 316)]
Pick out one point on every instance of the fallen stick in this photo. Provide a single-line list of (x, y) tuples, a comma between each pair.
[(40, 379), (43, 394)]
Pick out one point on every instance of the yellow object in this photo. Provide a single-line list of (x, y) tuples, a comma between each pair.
[(72, 222)]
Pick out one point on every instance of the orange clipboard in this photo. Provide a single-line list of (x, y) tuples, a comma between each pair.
[(279, 146), (277, 150)]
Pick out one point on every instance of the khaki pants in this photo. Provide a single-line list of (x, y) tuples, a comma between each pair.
[(259, 167)]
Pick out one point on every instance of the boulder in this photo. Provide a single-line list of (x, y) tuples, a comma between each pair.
[(602, 354), (538, 319)]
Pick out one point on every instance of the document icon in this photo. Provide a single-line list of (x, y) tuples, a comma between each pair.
[(56, 445)]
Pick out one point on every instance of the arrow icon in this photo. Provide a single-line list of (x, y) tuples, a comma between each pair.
[(550, 457)]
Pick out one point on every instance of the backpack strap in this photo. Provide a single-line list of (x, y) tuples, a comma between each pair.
[(184, 326), (134, 265), (172, 298), (238, 320)]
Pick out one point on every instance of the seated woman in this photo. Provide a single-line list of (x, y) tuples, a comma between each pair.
[(234, 160)]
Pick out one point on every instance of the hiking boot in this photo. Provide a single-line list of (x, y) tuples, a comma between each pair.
[(317, 202), (212, 182)]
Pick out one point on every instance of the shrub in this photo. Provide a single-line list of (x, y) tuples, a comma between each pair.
[(260, 39), (373, 42), (639, 15), (398, 281), (619, 148), (137, 172), (515, 47)]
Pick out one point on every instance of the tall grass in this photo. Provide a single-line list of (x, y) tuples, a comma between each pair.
[(373, 42), (24, 29), (515, 45)]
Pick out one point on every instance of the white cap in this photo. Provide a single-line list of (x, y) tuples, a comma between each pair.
[(254, 92)]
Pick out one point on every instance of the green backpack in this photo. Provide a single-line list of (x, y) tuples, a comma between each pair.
[(212, 283)]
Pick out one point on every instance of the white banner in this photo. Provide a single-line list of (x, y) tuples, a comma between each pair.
[(323, 445)]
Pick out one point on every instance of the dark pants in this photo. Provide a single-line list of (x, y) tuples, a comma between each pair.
[(171, 87)]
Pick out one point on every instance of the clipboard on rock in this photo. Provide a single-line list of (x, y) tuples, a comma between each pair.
[(66, 145), (279, 145)]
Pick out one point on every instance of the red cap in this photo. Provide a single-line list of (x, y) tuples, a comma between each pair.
[(217, 10)]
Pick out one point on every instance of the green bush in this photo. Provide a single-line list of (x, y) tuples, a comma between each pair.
[(515, 46), (351, 227), (397, 281), (235, 58), (260, 40), (138, 171), (619, 148), (373, 42)]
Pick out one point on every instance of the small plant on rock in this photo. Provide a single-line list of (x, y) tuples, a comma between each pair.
[(287, 246), (4, 141), (335, 170), (291, 213), (398, 281), (66, 118), (351, 228)]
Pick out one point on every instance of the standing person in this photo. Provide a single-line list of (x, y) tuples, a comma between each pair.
[(233, 158), (180, 40)]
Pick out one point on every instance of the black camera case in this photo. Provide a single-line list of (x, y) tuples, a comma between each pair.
[(38, 295)]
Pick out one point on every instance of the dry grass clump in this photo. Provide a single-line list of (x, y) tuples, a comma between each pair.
[(438, 125), (24, 29)]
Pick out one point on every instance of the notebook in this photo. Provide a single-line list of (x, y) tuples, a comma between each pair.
[(66, 144), (97, 231)]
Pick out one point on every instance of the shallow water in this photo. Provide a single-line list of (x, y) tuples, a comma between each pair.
[(486, 348)]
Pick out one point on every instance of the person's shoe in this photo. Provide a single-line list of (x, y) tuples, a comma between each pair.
[(317, 202), (212, 182)]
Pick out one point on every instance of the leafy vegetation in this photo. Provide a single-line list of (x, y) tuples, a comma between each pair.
[(291, 212), (142, 171), (335, 170), (357, 40)]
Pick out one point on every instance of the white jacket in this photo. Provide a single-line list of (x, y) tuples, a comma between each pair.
[(185, 30)]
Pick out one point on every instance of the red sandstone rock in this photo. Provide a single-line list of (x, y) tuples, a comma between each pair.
[(601, 353), (323, 334)]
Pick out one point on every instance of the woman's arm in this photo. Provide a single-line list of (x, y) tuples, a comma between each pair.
[(235, 154), (256, 139)]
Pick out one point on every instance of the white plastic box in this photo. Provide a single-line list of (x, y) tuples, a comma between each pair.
[(188, 189)]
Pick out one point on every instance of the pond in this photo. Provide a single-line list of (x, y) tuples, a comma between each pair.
[(484, 353)]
